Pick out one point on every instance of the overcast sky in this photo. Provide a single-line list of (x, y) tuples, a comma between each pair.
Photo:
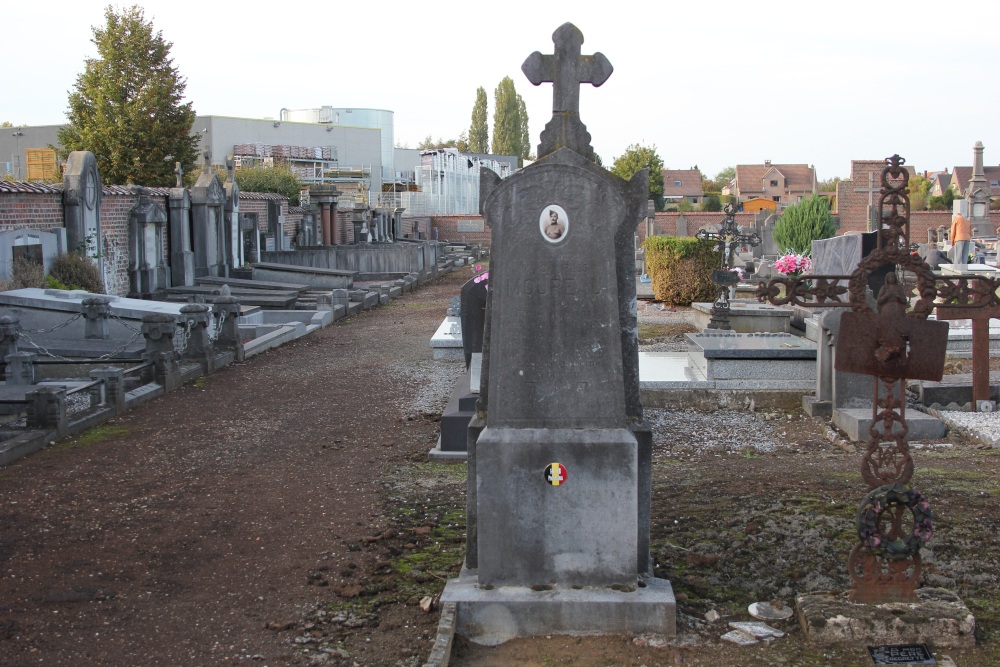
[(712, 83)]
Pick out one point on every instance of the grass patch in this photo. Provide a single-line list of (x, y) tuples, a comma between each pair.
[(93, 436)]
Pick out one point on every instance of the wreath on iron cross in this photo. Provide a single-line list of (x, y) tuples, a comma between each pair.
[(870, 514)]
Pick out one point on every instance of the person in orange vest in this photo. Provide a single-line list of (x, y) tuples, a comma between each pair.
[(961, 239)]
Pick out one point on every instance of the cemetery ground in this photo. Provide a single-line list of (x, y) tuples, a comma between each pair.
[(283, 512)]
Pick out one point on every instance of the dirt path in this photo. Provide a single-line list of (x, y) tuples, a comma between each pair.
[(185, 527)]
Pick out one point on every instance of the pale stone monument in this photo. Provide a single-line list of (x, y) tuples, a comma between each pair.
[(559, 452), (82, 203), (208, 200), (979, 196)]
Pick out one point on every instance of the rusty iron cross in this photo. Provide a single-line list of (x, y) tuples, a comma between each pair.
[(566, 69)]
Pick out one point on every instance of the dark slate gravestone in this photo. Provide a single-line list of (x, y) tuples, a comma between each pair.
[(561, 468), (840, 255), (473, 312)]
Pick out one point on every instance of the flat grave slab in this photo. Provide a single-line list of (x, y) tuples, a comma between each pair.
[(752, 357), (747, 317), (252, 284), (447, 340), (855, 422)]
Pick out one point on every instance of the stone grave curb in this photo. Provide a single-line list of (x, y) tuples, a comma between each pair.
[(441, 651)]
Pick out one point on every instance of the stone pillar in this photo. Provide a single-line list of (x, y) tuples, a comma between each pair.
[(330, 224), (199, 345), (231, 217), (10, 332), (114, 386), (96, 310), (21, 368), (47, 410), (181, 256), (158, 329), (227, 310), (325, 196)]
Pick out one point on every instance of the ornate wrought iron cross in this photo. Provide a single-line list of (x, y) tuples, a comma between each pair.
[(727, 237), (890, 344), (566, 70)]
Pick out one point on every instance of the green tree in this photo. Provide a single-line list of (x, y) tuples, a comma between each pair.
[(943, 202), (638, 157), (510, 122), (920, 191), (724, 176), (279, 180), (829, 185), (126, 105), (803, 223), (6, 123), (460, 144), (711, 203), (479, 131)]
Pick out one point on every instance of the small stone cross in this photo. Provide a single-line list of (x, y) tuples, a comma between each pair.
[(180, 174), (230, 168), (566, 69), (208, 162)]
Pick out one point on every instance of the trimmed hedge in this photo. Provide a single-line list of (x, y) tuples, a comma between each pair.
[(681, 269)]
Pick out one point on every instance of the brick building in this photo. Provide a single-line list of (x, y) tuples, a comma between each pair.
[(785, 184), (682, 185)]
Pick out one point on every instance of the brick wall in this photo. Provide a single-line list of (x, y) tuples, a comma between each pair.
[(30, 210), (852, 206), (665, 224), (921, 221), (447, 229)]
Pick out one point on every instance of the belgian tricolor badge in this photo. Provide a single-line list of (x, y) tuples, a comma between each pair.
[(555, 474)]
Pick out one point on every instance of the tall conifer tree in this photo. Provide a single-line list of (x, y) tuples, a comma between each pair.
[(126, 105), (479, 131)]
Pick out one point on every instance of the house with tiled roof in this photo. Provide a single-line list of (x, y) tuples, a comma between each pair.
[(682, 184), (940, 182), (962, 175), (784, 184)]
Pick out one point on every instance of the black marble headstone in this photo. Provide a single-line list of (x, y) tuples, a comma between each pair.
[(473, 312)]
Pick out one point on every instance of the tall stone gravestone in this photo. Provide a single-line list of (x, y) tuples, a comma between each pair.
[(559, 513), (181, 255), (208, 200), (82, 203), (147, 269), (233, 234)]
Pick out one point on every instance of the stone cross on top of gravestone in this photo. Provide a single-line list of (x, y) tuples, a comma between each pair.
[(566, 69), (179, 171)]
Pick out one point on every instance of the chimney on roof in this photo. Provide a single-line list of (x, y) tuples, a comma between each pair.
[(767, 163)]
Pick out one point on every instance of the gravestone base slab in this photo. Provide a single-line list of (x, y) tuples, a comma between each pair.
[(582, 531), (856, 422), (814, 407), (939, 618), (440, 455), (495, 615)]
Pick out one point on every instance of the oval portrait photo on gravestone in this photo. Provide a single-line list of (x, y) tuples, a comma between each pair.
[(553, 223)]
